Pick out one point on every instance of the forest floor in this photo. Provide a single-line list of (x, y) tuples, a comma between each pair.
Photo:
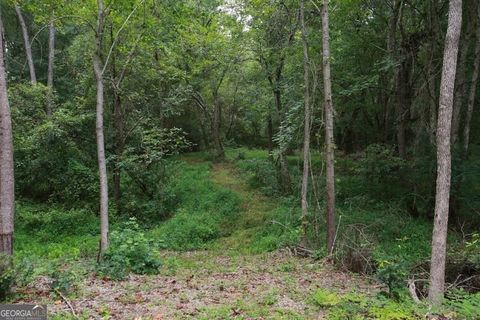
[(219, 283)]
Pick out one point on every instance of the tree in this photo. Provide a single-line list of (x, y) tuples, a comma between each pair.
[(7, 195), (306, 123), (28, 47), (51, 58), (473, 88), (439, 237), (275, 27), (102, 166), (329, 140)]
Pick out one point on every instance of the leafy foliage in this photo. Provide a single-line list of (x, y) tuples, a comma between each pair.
[(6, 276), (206, 212), (129, 251)]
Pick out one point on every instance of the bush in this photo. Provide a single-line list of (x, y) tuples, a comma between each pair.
[(6, 276), (262, 175), (51, 162), (381, 170), (129, 251), (49, 222)]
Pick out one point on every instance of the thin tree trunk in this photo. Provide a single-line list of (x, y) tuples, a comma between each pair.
[(392, 45), (270, 136), (473, 89), (119, 129), (7, 194), (119, 148), (51, 57), (28, 47), (285, 180), (102, 167), (440, 227), (460, 84), (217, 118), (401, 109), (306, 133), (329, 140), (431, 74)]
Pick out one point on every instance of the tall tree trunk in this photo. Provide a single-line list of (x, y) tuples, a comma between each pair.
[(473, 89), (329, 140), (102, 167), (28, 47), (216, 125), (401, 109), (392, 48), (440, 227), (285, 179), (7, 194), (119, 148), (431, 73), (119, 128), (460, 83), (51, 57), (306, 132)]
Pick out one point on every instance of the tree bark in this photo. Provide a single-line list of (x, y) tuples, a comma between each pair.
[(401, 109), (28, 47), (440, 227), (306, 132), (216, 125), (329, 139), (392, 48), (270, 136), (102, 167), (7, 189), (119, 148), (431, 74), (460, 84), (473, 89), (51, 57), (285, 180)]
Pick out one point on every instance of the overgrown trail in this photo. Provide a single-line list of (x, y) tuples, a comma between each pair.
[(254, 206), (222, 283)]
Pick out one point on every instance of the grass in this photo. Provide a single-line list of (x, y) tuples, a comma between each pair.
[(206, 211)]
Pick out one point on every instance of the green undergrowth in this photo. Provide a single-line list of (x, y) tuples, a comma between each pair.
[(358, 306), (205, 210), (50, 232), (376, 235)]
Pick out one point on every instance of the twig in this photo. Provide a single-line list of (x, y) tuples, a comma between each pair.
[(117, 35), (413, 291), (336, 233), (67, 302)]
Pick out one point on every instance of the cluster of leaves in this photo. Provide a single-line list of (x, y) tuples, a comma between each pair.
[(155, 145), (145, 184), (262, 175), (51, 162), (129, 251)]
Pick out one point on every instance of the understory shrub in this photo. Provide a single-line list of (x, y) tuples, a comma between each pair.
[(49, 221), (129, 251), (6, 276), (262, 175)]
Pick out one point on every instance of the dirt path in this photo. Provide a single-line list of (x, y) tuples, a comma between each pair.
[(216, 284)]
